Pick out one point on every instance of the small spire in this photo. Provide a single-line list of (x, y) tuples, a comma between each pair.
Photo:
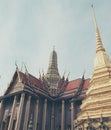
[(68, 76), (83, 74), (26, 71), (17, 69), (98, 37), (42, 71), (39, 74)]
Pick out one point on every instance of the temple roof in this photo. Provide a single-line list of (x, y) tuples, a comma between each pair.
[(30, 82)]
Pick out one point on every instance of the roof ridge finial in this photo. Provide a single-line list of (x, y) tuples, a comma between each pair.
[(17, 69), (83, 73), (39, 74), (26, 70)]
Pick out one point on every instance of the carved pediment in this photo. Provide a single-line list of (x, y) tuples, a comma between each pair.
[(16, 87)]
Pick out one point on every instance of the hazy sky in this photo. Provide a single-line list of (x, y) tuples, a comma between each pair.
[(30, 28)]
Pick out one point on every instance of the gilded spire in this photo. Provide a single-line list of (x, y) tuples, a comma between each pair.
[(53, 68), (52, 72), (98, 37), (100, 84)]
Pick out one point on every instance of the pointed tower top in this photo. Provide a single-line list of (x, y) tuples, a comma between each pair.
[(52, 72), (98, 37), (99, 84)]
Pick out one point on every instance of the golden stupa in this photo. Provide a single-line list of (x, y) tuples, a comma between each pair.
[(96, 107)]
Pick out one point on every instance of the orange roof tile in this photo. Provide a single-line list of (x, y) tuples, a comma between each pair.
[(73, 84), (86, 83)]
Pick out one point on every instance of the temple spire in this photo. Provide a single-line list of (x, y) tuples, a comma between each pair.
[(98, 37), (52, 72), (53, 68), (100, 83)]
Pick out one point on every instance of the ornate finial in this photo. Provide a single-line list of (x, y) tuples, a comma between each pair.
[(16, 65), (17, 69), (26, 71), (39, 74), (43, 72), (22, 66), (83, 73), (68, 76)]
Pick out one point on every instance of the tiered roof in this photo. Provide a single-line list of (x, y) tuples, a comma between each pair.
[(31, 84)]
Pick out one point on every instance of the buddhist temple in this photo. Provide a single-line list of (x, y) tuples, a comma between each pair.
[(52, 102), (49, 102), (95, 111)]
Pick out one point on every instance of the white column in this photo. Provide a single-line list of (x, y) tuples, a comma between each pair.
[(63, 115), (27, 113), (12, 113), (44, 115), (52, 117), (19, 114), (36, 115), (72, 114)]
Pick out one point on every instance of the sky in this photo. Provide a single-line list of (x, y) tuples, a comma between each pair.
[(30, 28)]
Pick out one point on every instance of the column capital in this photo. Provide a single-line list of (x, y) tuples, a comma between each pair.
[(23, 95), (63, 101), (29, 97), (37, 100), (45, 101)]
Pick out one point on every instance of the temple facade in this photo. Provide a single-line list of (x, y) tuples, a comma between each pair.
[(52, 102), (49, 102), (95, 110)]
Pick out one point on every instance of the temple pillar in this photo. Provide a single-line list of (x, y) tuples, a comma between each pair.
[(19, 114), (12, 113), (63, 115), (72, 115), (36, 115), (44, 115), (27, 110), (52, 117)]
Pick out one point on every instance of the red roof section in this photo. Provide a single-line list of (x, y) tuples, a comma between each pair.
[(73, 84), (86, 83), (31, 79)]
